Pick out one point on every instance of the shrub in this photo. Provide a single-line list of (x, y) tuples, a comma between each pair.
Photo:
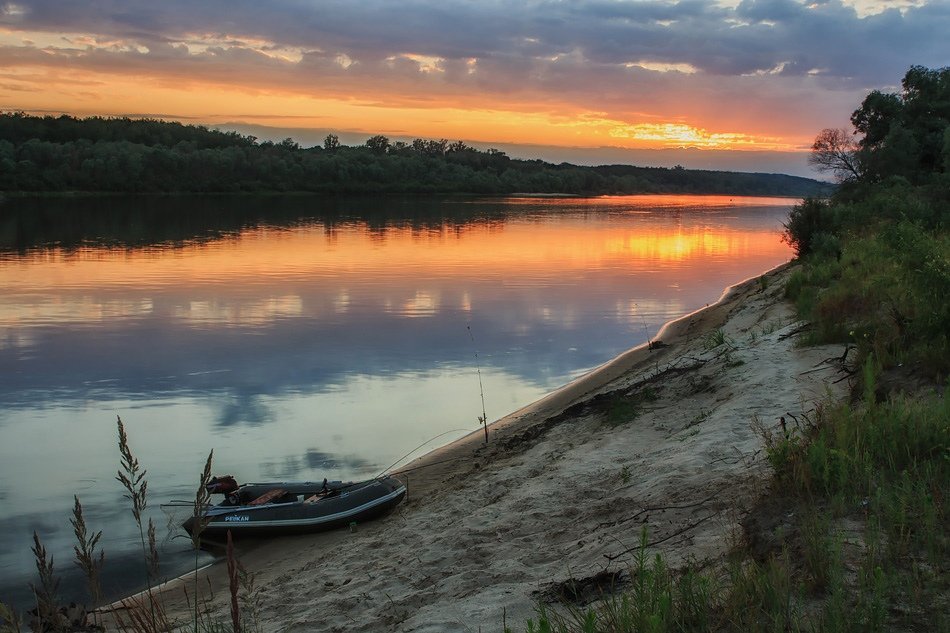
[(806, 221)]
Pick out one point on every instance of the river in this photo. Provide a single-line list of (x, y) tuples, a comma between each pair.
[(302, 338)]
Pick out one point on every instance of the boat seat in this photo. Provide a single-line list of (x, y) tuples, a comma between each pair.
[(268, 496), (314, 498)]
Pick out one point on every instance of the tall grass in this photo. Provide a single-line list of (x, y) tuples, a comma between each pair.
[(715, 339), (132, 477), (882, 286), (9, 619), (753, 597), (233, 586), (86, 557), (883, 467), (249, 599), (200, 511), (886, 467), (48, 617), (144, 612)]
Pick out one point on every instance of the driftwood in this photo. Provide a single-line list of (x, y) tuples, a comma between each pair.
[(613, 557), (659, 509), (583, 591)]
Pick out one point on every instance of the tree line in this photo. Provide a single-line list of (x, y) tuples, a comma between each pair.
[(896, 136), (893, 166), (97, 154)]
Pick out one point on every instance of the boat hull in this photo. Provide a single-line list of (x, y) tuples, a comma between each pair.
[(352, 503)]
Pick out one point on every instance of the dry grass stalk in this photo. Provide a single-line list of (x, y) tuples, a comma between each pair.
[(202, 503), (233, 583), (9, 620), (203, 608), (152, 556), (47, 607), (249, 598), (86, 558), (132, 478), (142, 615)]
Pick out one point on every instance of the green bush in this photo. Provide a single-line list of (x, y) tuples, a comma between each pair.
[(806, 221)]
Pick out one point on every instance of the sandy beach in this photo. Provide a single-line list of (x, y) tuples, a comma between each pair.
[(661, 437)]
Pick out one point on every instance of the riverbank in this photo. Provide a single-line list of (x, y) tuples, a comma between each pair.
[(662, 438)]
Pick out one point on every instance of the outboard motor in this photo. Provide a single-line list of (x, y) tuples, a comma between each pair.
[(222, 485)]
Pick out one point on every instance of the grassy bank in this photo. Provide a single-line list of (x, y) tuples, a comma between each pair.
[(876, 275), (851, 535)]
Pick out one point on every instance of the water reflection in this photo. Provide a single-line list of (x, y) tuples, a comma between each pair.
[(278, 310), (317, 461), (303, 338)]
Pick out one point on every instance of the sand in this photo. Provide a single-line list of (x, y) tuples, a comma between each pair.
[(658, 438)]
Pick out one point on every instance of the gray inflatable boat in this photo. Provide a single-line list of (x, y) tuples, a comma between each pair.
[(268, 509)]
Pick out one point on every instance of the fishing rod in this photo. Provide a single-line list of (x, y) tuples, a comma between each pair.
[(385, 470), (484, 419)]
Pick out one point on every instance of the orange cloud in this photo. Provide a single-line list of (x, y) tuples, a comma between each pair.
[(89, 93), (223, 78)]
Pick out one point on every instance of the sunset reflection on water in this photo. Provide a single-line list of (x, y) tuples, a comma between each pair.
[(267, 273)]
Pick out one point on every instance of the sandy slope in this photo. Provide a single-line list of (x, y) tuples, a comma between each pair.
[(565, 486)]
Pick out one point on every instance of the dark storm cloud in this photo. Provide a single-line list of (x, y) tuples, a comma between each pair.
[(756, 36)]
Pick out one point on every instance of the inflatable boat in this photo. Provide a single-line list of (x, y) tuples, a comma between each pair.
[(269, 509)]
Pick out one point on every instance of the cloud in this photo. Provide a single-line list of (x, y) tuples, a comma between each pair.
[(777, 63), (758, 35)]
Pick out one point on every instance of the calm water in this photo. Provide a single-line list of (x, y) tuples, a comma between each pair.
[(304, 338)]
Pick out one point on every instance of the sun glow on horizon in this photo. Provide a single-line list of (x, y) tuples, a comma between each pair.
[(86, 82), (683, 135), (214, 106)]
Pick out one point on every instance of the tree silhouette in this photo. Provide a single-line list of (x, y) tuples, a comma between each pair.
[(836, 151)]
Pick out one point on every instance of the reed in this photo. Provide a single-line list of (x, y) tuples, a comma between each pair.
[(202, 503), (200, 512), (47, 603), (132, 477), (203, 607), (250, 600), (142, 614), (233, 586), (87, 559), (152, 555), (9, 620)]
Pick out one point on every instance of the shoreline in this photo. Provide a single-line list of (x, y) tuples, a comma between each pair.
[(592, 380), (476, 535)]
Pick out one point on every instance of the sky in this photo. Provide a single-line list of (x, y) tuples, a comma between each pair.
[(735, 84)]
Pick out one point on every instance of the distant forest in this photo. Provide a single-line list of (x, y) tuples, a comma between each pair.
[(66, 154)]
